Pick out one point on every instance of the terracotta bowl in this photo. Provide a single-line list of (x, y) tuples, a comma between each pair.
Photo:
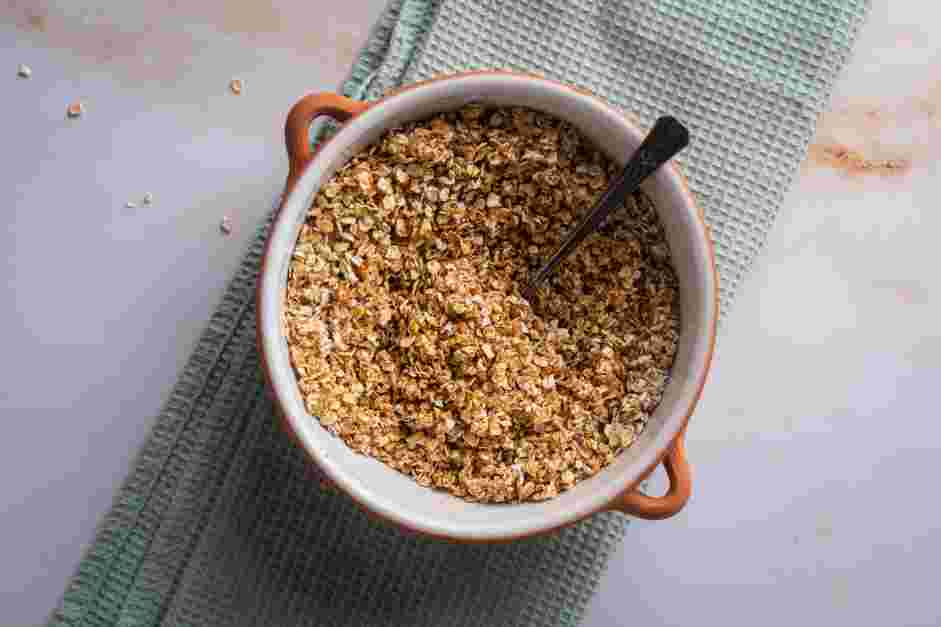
[(397, 498)]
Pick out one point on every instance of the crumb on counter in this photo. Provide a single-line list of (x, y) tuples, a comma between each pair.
[(76, 109)]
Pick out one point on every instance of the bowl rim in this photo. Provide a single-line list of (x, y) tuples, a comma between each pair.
[(281, 241)]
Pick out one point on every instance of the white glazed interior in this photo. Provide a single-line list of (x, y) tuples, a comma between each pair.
[(397, 497)]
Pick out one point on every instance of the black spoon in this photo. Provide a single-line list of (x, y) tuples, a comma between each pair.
[(667, 138)]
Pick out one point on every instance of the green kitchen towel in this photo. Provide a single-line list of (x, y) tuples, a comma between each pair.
[(221, 521)]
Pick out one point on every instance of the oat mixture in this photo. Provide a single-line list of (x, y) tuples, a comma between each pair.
[(406, 327)]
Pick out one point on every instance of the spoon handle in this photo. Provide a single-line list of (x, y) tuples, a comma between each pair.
[(665, 140)]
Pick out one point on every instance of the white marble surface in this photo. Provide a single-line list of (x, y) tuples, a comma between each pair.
[(817, 443)]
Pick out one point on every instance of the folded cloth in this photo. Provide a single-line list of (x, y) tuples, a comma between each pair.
[(222, 521)]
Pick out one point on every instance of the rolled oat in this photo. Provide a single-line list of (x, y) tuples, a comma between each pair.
[(406, 327)]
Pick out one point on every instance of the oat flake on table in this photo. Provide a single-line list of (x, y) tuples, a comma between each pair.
[(75, 110)]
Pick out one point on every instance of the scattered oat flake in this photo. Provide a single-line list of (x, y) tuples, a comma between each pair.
[(225, 225), (148, 199), (24, 71), (235, 86), (76, 109)]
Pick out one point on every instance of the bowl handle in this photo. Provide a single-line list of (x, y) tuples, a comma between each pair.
[(297, 127), (634, 503)]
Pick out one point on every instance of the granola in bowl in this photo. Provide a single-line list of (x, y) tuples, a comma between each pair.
[(407, 331)]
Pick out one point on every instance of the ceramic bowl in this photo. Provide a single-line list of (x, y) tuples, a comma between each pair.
[(397, 498)]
